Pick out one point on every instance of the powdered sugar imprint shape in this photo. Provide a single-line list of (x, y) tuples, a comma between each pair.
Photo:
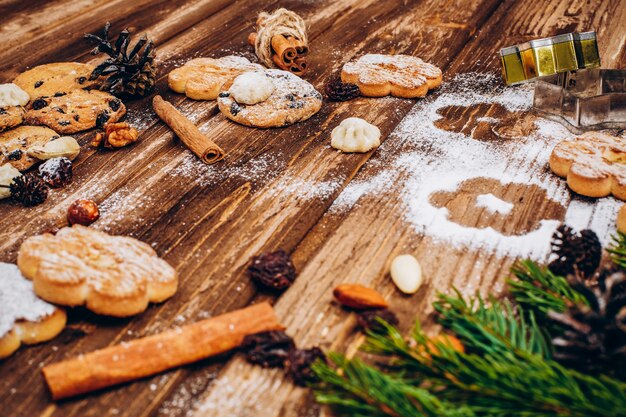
[(427, 159)]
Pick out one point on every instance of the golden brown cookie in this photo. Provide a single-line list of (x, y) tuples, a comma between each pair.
[(50, 79), (202, 78), (14, 144), (75, 111), (111, 275), (24, 318), (397, 75), (621, 219), (293, 100), (594, 164), (10, 117)]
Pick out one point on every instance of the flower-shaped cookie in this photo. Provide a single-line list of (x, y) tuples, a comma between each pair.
[(111, 275), (594, 164), (397, 75), (24, 318), (202, 78)]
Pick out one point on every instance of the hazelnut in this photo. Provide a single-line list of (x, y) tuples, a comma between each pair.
[(83, 212)]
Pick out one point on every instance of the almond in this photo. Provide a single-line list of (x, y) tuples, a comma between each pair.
[(359, 297)]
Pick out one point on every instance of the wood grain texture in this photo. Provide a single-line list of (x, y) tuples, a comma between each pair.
[(209, 221)]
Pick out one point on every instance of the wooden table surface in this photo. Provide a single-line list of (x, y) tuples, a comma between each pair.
[(209, 221)]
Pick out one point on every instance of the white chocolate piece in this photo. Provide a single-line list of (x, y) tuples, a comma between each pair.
[(12, 95), (355, 135), (65, 146), (251, 88), (7, 174), (406, 273)]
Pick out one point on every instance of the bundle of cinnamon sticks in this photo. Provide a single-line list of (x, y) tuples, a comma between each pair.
[(288, 52)]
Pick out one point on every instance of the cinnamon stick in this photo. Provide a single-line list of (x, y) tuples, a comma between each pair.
[(207, 150), (153, 354), (284, 47)]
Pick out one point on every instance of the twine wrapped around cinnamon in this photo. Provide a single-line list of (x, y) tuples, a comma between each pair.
[(281, 41)]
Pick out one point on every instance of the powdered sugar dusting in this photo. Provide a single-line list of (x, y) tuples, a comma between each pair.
[(18, 300), (433, 160), (494, 204)]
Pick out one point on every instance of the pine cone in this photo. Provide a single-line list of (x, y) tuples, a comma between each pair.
[(575, 252), (268, 349), (273, 270), (299, 365), (29, 190), (339, 91), (131, 73), (593, 339), (56, 172)]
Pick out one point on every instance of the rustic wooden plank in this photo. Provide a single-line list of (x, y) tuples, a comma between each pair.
[(358, 245)]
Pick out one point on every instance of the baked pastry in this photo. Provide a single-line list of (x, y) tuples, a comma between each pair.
[(7, 174), (56, 78), (75, 111), (355, 135), (110, 275), (14, 144), (292, 100), (202, 78), (621, 219), (594, 164), (12, 102), (24, 318), (251, 87), (397, 75), (10, 117)]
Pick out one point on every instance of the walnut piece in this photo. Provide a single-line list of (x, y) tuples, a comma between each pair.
[(116, 135)]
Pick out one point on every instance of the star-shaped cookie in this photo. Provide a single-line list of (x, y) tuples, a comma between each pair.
[(202, 78), (594, 164), (110, 275), (397, 75)]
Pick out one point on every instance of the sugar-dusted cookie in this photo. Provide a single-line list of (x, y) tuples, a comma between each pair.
[(594, 164), (292, 100), (24, 318), (14, 144), (111, 275), (75, 111), (50, 79), (397, 75), (202, 78), (355, 135), (10, 117)]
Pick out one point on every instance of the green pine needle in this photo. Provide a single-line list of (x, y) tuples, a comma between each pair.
[(617, 250)]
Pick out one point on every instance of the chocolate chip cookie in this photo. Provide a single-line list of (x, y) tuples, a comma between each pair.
[(50, 79), (293, 100), (14, 144), (75, 111)]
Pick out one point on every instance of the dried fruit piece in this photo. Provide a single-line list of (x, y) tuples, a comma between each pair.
[(273, 270), (29, 190), (340, 91), (406, 273), (359, 297), (116, 135), (268, 349), (298, 365), (83, 212), (56, 172), (368, 319)]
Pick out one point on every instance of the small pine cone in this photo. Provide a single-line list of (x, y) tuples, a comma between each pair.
[(340, 91), (56, 172), (367, 320), (575, 252), (299, 365), (268, 349), (29, 190), (273, 270)]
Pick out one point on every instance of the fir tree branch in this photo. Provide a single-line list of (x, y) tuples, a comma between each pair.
[(536, 289), (617, 250)]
